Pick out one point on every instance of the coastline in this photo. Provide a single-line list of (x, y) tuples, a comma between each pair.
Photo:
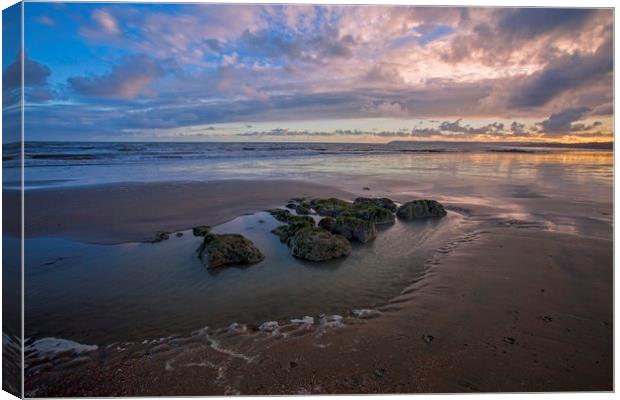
[(478, 320)]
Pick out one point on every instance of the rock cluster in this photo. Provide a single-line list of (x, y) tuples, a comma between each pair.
[(331, 238), (343, 221)]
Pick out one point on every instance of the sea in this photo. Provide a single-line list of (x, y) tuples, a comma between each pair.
[(49, 164)]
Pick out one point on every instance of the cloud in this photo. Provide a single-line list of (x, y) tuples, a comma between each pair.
[(381, 73), (45, 20), (604, 109), (527, 23), (128, 79), (106, 22), (36, 76), (456, 126), (315, 47), (561, 121), (179, 66), (494, 36), (35, 73), (565, 73)]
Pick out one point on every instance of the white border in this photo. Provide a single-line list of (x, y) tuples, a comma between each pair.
[(483, 3)]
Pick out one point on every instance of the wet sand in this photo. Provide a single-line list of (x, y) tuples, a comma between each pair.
[(508, 306), (116, 213)]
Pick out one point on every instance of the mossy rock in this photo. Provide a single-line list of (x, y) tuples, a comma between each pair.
[(280, 214), (286, 232), (421, 209), (331, 207), (382, 202), (317, 244), (354, 228), (371, 213), (226, 249), (303, 208), (327, 223)]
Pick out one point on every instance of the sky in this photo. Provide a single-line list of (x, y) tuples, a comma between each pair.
[(226, 72)]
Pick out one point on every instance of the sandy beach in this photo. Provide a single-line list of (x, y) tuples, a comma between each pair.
[(508, 305)]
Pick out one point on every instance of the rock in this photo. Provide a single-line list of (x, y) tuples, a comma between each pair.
[(201, 230), (291, 206), (331, 207), (420, 209), (354, 228), (316, 244), (327, 223), (382, 202), (371, 213), (160, 237), (218, 250), (365, 210), (366, 188), (280, 214), (179, 234), (286, 232), (302, 208)]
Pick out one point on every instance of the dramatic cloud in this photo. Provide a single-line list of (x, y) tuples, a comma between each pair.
[(480, 73), (128, 79), (565, 73)]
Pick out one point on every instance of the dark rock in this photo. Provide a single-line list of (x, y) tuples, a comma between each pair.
[(316, 244), (286, 232), (280, 214), (160, 237), (420, 209), (302, 208), (382, 202), (327, 223), (354, 228), (219, 250), (367, 210), (201, 230), (291, 206), (331, 207), (371, 213), (366, 188), (179, 234)]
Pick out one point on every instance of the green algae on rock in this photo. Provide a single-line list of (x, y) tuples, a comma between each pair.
[(317, 244), (225, 249), (421, 209)]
